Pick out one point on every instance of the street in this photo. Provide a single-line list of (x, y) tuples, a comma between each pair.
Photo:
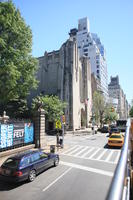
[(85, 172)]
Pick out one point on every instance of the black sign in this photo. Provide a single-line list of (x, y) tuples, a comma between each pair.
[(18, 134)]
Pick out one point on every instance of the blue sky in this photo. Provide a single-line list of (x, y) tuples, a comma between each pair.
[(51, 20)]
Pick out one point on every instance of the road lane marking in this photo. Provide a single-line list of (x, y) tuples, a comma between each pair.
[(70, 149), (91, 149), (85, 148), (117, 157), (82, 152), (89, 169), (75, 150), (46, 188), (94, 153), (109, 156), (101, 155)]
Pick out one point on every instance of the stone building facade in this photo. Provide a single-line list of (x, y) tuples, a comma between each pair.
[(115, 91), (64, 74)]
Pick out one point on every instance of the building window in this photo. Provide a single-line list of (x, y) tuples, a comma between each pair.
[(86, 54), (85, 50), (97, 71), (84, 28), (97, 66), (86, 45), (98, 76)]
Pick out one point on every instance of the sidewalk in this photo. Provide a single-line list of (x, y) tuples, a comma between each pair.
[(85, 131), (4, 155), (50, 140)]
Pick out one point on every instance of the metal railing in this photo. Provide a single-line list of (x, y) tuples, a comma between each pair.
[(118, 189)]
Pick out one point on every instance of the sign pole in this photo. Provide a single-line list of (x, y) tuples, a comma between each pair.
[(62, 135)]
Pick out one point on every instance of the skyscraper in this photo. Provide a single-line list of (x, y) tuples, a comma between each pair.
[(89, 45)]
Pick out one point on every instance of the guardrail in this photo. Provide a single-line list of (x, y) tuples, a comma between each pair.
[(120, 186)]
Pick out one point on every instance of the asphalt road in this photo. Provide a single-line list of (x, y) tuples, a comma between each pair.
[(85, 172)]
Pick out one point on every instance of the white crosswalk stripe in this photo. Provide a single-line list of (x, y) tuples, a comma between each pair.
[(117, 157), (103, 152), (87, 152), (93, 153), (109, 156), (77, 154), (75, 150)]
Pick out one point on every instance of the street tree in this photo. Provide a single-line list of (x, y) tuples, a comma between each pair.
[(17, 66), (131, 112), (110, 114), (52, 106), (99, 107)]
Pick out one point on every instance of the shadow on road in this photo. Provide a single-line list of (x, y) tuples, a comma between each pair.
[(107, 147), (4, 186)]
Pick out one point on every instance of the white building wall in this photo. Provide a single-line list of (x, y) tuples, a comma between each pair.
[(87, 46)]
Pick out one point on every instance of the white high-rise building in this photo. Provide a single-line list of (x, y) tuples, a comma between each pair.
[(89, 45)]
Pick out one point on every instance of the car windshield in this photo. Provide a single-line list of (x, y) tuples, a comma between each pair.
[(116, 136), (114, 130), (13, 163)]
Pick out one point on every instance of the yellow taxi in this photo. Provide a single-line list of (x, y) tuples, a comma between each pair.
[(116, 140)]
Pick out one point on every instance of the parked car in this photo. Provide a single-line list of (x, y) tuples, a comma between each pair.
[(26, 166), (114, 130), (104, 129), (116, 140)]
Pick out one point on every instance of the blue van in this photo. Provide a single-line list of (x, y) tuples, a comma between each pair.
[(26, 166)]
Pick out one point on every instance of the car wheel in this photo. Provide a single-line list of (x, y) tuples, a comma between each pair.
[(56, 162), (32, 175)]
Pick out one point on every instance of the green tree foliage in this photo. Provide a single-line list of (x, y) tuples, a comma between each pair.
[(103, 111), (99, 107), (52, 105), (131, 112), (17, 66), (110, 114)]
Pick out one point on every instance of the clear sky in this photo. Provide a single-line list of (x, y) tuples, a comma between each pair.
[(51, 20)]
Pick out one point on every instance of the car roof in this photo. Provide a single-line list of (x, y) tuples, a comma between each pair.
[(19, 156)]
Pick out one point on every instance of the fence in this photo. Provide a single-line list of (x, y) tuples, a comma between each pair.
[(120, 187), (15, 134)]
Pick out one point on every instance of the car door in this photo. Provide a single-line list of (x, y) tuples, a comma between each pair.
[(45, 161), (36, 161)]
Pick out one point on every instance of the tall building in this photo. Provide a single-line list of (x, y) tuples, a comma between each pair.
[(116, 92), (64, 74), (89, 45)]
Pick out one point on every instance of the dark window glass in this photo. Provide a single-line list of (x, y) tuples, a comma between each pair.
[(116, 136), (13, 163), (43, 155), (25, 162), (85, 50), (35, 157)]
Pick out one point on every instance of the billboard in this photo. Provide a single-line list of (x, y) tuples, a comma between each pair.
[(6, 135), (16, 134)]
